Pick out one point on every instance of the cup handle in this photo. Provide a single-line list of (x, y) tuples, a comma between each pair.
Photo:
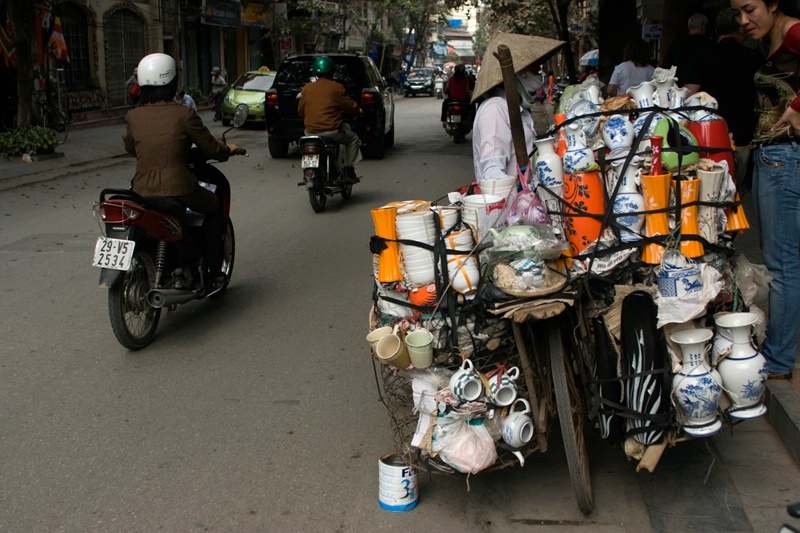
[(467, 363), (513, 374), (524, 402)]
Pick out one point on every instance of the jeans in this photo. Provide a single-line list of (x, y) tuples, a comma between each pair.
[(776, 188)]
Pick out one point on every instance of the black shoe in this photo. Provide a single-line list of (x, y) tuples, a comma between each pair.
[(350, 175)]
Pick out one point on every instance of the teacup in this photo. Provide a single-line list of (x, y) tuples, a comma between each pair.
[(502, 388), (466, 384), (517, 428)]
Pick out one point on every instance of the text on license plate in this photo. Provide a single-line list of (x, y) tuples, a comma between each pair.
[(309, 161), (115, 254), (455, 118)]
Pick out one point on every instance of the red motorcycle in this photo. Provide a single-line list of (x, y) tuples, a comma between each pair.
[(152, 252)]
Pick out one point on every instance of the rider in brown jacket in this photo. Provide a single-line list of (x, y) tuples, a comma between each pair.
[(321, 106), (160, 133)]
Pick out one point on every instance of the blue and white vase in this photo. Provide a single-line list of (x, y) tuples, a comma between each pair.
[(549, 171), (628, 201), (696, 389), (744, 370), (618, 132), (643, 94), (578, 157)]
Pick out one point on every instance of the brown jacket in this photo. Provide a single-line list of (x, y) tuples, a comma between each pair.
[(160, 135), (322, 104)]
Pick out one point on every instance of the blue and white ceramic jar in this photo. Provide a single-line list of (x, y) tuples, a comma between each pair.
[(696, 389)]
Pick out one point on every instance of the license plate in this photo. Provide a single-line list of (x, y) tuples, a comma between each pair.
[(416, 87), (115, 254), (310, 161), (455, 118)]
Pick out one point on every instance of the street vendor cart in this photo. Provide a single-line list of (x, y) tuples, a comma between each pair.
[(589, 294)]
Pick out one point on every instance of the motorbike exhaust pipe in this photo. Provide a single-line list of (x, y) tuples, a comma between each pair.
[(330, 191), (159, 298)]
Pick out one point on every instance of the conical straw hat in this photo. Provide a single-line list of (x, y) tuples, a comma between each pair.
[(525, 50)]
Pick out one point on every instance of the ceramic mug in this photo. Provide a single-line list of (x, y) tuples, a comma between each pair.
[(420, 348), (502, 388), (392, 350), (465, 384), (377, 334), (517, 427)]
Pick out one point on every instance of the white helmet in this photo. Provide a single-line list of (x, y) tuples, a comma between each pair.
[(156, 69)]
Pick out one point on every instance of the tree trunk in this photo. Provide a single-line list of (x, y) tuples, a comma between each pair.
[(22, 15)]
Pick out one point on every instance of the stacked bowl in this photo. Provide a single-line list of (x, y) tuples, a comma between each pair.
[(417, 226)]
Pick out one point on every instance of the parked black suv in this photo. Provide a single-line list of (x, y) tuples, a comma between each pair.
[(361, 80)]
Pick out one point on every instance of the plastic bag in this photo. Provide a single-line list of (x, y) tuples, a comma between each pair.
[(527, 208), (468, 447), (753, 281)]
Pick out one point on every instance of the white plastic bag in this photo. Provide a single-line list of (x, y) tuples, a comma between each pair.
[(469, 448), (753, 281)]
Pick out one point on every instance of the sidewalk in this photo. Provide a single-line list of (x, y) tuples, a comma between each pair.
[(91, 146), (103, 146)]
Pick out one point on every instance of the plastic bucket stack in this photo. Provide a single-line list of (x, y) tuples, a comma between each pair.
[(418, 262), (481, 212)]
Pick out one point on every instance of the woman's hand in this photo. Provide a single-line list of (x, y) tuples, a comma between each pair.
[(790, 117), (232, 148)]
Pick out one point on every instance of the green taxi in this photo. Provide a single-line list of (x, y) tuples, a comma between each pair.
[(250, 89)]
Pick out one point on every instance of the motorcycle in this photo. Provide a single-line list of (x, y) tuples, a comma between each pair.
[(438, 88), (322, 163), (458, 120), (151, 254)]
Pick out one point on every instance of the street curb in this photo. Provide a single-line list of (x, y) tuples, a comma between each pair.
[(783, 412)]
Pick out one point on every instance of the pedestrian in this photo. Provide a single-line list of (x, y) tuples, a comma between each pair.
[(160, 134), (133, 88), (776, 174), (726, 72), (185, 99), (218, 86), (634, 69), (492, 146), (683, 49)]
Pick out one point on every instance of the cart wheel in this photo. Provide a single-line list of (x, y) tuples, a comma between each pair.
[(571, 418)]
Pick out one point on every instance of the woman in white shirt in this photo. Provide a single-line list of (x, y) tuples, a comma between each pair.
[(634, 70)]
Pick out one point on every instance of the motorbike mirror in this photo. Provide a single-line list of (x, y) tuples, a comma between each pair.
[(239, 118), (240, 115)]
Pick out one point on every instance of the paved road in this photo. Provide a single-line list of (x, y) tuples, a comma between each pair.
[(260, 413)]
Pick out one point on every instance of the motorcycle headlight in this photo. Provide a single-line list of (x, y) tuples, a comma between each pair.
[(262, 102), (228, 99)]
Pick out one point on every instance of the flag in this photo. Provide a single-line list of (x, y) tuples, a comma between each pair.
[(57, 44)]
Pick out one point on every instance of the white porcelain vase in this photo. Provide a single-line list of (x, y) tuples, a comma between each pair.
[(696, 389), (550, 173), (744, 370), (642, 94), (707, 215), (628, 201), (618, 132), (578, 157)]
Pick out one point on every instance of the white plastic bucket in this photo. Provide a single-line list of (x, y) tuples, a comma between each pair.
[(482, 211), (498, 187), (447, 216), (397, 484)]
